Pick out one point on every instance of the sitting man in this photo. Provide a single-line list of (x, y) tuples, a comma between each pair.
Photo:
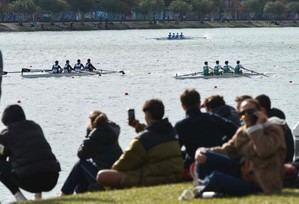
[(153, 157), (200, 129)]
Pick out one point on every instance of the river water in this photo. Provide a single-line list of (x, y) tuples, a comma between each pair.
[(61, 105)]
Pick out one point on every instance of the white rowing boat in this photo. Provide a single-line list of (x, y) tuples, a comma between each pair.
[(199, 75), (50, 74)]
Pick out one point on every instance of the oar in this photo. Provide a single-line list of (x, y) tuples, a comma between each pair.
[(103, 71), (254, 72), (191, 74)]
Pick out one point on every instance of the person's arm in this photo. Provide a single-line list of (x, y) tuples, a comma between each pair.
[(227, 127), (88, 146), (139, 127), (266, 141), (133, 158), (4, 153)]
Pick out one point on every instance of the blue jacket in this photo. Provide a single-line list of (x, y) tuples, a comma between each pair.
[(202, 130)]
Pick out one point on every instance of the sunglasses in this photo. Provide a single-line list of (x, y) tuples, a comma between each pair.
[(248, 111)]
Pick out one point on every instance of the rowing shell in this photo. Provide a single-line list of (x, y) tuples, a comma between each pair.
[(199, 75), (49, 74)]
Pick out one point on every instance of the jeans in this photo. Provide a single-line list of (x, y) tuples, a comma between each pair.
[(81, 179), (36, 183), (222, 175)]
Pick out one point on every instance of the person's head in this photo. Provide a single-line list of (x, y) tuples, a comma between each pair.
[(206, 63), (13, 113), (265, 102), (226, 62), (217, 61), (238, 62), (240, 99), (88, 60), (78, 61), (213, 102), (97, 118), (56, 62), (248, 108), (190, 98), (67, 61), (153, 110)]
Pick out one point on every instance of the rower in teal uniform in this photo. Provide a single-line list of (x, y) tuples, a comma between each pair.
[(67, 67), (78, 67), (238, 68), (206, 69), (217, 68), (56, 69), (227, 68)]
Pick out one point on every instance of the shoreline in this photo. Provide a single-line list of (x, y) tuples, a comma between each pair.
[(128, 25)]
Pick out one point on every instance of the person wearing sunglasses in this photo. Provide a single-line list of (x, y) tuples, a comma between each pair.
[(251, 162)]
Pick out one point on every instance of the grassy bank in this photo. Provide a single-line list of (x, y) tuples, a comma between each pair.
[(117, 25), (168, 194)]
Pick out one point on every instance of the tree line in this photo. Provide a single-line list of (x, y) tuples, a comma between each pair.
[(156, 9)]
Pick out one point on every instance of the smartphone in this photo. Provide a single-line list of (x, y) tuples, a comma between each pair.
[(131, 114)]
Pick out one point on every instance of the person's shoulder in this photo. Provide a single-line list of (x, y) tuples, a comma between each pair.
[(276, 112)]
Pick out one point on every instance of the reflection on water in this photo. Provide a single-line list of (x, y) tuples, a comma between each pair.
[(61, 105)]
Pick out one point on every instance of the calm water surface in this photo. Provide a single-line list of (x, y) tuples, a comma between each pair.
[(61, 105)]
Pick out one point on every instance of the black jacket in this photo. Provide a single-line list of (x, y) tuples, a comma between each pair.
[(229, 113), (102, 146), (203, 130), (27, 149)]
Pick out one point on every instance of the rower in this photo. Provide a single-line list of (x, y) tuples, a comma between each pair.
[(67, 67), (78, 66), (227, 68), (177, 36), (169, 36), (173, 36), (181, 35), (238, 68), (206, 69), (217, 68), (56, 69), (89, 67)]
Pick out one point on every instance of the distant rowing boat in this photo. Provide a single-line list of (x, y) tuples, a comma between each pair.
[(199, 75), (184, 38)]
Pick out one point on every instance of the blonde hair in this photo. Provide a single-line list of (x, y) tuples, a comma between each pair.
[(97, 118)]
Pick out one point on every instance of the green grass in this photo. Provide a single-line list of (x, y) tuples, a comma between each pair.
[(168, 194)]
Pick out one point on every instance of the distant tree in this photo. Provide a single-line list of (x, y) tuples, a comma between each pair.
[(180, 8), (254, 7), (3, 8), (218, 6), (151, 7), (202, 7), (53, 6), (294, 8), (81, 6), (24, 7), (114, 6), (275, 9)]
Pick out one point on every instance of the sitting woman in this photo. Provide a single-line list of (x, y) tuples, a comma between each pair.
[(26, 158), (98, 151), (251, 162)]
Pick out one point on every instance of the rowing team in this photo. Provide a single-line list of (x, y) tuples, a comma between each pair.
[(218, 69), (175, 36), (56, 68)]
